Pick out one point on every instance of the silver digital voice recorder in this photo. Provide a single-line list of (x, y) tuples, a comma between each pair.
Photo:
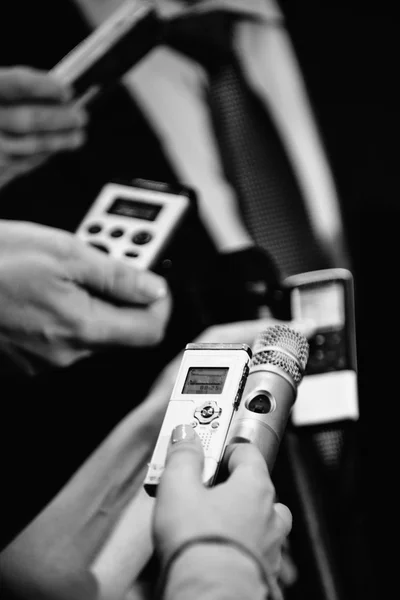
[(206, 394), (135, 222), (231, 394)]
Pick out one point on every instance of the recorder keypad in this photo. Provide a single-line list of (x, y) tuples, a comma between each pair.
[(138, 238), (327, 352)]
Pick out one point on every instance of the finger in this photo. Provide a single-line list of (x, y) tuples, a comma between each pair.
[(244, 455), (119, 326), (24, 83), (185, 457), (116, 280), (288, 572), (285, 517), (248, 471), (23, 164), (32, 145), (22, 120)]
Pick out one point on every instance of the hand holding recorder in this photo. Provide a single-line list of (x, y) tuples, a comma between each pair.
[(135, 221), (229, 396), (62, 300), (37, 120), (242, 510), (113, 48), (41, 112)]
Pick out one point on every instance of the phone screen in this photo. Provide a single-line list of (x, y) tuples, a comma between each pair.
[(325, 304)]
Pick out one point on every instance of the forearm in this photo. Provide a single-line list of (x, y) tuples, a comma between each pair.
[(214, 572)]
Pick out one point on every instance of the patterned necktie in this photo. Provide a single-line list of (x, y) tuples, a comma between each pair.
[(253, 158)]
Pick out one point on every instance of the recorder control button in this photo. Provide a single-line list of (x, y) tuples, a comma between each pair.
[(131, 254), (141, 237), (242, 383), (215, 424), (101, 247), (95, 228), (207, 412), (117, 232)]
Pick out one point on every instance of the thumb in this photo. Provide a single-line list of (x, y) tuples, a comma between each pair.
[(185, 458), (285, 517)]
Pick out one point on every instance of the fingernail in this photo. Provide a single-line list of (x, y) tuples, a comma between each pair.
[(78, 139), (160, 292), (153, 287), (182, 433)]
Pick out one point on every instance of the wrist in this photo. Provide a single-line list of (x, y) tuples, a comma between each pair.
[(212, 570)]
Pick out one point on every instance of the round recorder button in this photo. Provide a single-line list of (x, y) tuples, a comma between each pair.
[(101, 247), (141, 237), (94, 228), (117, 232)]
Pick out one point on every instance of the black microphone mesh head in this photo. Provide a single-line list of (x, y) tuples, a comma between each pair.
[(282, 347)]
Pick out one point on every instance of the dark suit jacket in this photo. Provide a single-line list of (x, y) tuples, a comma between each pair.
[(349, 55), (349, 58)]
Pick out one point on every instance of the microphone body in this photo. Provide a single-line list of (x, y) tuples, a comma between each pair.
[(276, 369)]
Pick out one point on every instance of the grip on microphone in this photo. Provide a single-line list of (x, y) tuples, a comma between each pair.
[(277, 367)]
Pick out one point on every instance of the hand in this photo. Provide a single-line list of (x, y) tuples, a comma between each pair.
[(61, 300), (243, 507), (37, 120)]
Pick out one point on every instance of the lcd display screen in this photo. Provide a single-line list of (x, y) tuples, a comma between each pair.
[(135, 209), (205, 380), (324, 305)]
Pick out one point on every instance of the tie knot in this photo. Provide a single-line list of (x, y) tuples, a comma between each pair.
[(206, 37)]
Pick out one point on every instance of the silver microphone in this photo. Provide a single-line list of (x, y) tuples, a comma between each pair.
[(279, 360)]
